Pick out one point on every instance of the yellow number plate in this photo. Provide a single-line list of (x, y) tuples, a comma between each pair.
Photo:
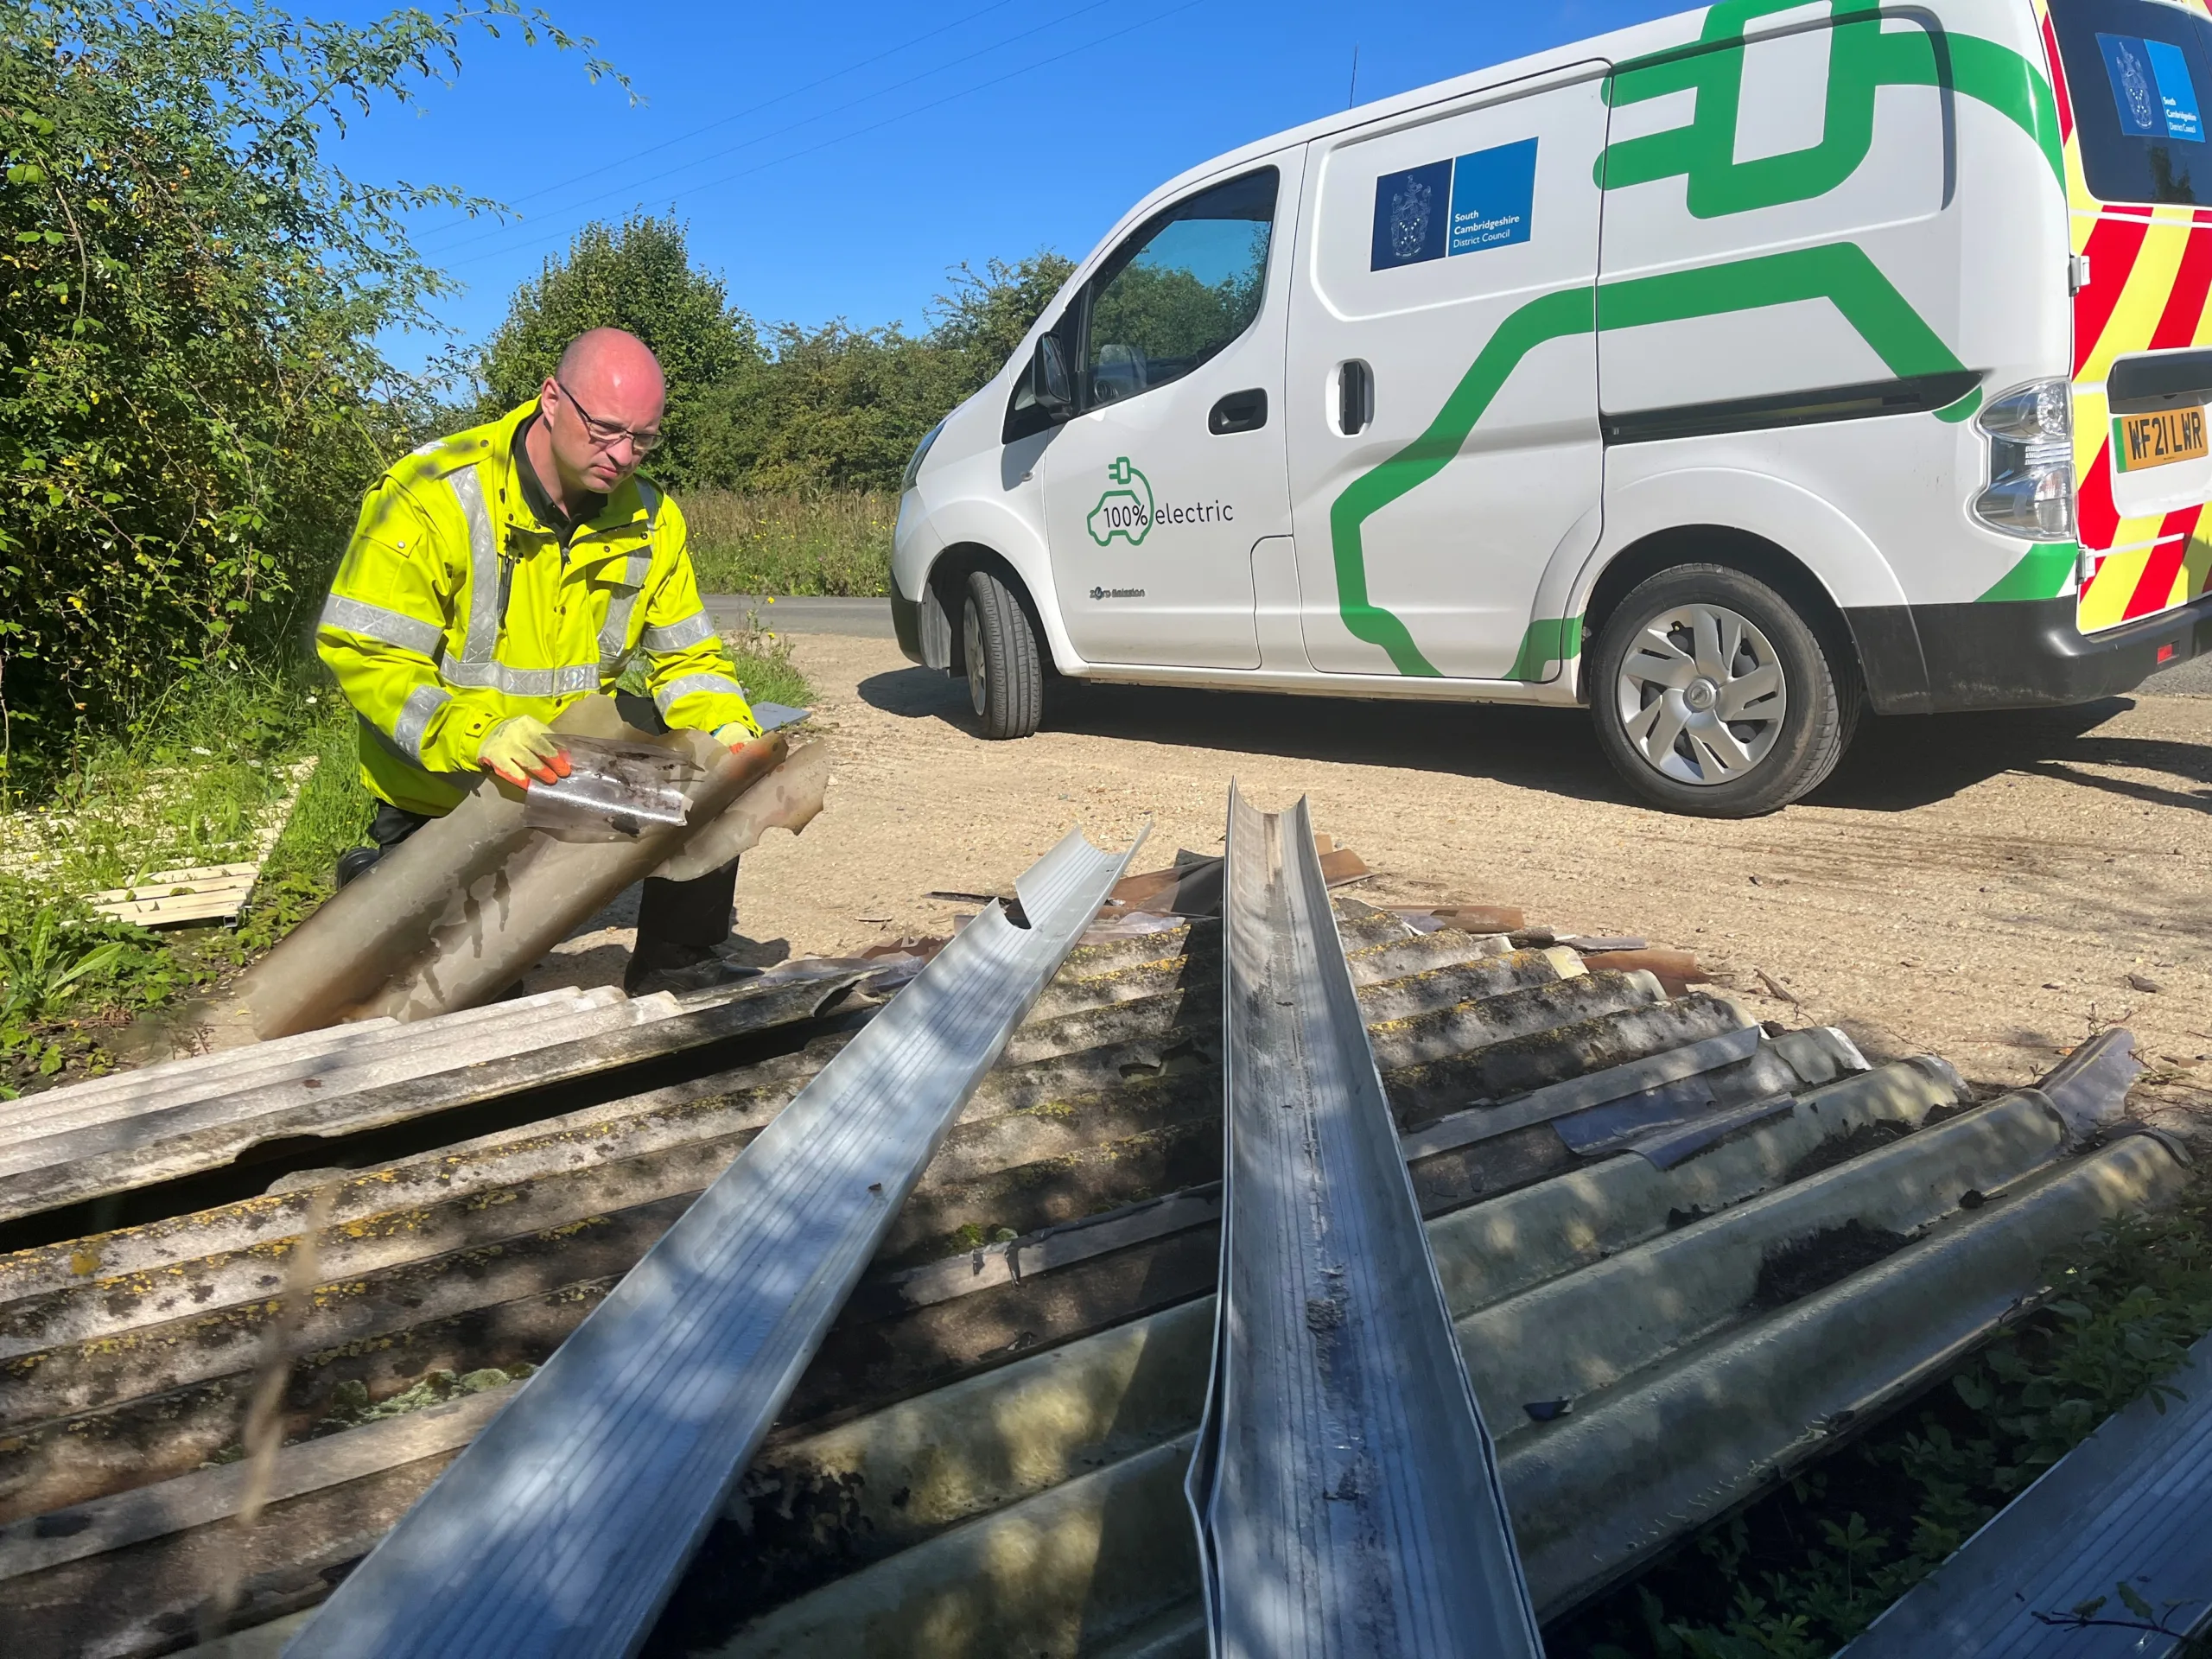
[(2159, 440)]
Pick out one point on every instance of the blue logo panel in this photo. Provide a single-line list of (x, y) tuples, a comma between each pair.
[(2128, 65), (1493, 197), (2177, 92), (1482, 199), (1411, 210)]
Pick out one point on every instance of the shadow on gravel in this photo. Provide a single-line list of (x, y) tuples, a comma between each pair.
[(1550, 749), (1913, 760), (1895, 765)]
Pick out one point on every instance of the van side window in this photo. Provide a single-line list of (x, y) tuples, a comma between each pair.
[(2141, 77), (1187, 282)]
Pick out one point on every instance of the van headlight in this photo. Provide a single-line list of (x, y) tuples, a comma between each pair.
[(914, 462), (2030, 433)]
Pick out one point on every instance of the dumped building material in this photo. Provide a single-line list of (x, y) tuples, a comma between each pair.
[(1345, 1487), (563, 1526), (986, 1453), (462, 908)]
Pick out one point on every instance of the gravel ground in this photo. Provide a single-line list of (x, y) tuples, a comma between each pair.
[(1994, 888)]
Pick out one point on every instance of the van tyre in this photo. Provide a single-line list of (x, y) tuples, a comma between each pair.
[(1005, 664), (1713, 696)]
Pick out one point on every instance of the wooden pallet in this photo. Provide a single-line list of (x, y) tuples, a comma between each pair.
[(206, 893)]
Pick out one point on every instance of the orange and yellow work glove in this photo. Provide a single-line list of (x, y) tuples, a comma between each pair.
[(521, 748), (735, 734)]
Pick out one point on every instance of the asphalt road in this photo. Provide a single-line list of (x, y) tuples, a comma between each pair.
[(862, 619), (870, 618)]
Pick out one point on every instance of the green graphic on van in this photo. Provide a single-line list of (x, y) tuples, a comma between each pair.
[(1126, 511), (1863, 57), (1840, 272)]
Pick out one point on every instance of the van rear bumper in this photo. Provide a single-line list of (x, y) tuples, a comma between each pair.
[(1927, 659)]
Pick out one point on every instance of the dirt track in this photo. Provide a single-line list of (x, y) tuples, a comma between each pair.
[(1983, 887)]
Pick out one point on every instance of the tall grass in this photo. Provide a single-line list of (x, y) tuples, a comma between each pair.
[(780, 544)]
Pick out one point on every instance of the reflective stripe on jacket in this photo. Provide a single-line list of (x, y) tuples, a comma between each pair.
[(414, 631)]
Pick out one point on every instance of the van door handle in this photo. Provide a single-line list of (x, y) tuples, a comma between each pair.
[(1355, 396), (1240, 411)]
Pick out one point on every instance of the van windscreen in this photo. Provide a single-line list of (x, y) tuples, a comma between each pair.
[(2139, 74)]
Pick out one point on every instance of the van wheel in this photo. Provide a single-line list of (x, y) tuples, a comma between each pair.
[(1712, 697), (1005, 665)]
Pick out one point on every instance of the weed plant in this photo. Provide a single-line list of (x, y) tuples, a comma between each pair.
[(1801, 1572), (836, 543)]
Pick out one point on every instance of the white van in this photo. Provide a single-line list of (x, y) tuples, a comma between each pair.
[(1727, 374)]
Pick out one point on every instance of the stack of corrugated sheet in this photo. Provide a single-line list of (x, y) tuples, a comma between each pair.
[(1683, 1253)]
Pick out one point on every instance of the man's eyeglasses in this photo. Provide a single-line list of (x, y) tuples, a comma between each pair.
[(605, 434)]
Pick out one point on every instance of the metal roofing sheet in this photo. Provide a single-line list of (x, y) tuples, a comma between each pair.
[(1345, 1490), (563, 1527), (2131, 1504)]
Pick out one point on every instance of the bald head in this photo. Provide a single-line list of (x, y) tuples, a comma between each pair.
[(611, 360), (605, 400)]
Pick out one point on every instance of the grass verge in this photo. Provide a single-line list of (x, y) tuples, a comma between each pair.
[(1801, 1572), (827, 544)]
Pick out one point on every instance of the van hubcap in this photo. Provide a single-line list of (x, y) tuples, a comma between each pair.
[(1700, 694), (971, 646)]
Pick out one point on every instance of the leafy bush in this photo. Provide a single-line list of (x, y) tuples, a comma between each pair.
[(837, 409), (191, 397), (637, 276)]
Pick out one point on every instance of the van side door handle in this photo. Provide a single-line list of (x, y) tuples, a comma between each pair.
[(1240, 411), (1355, 396)]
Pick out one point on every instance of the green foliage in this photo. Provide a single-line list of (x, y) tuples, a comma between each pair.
[(1801, 1573), (60, 961), (190, 400), (43, 961), (763, 660), (978, 325), (330, 814), (192, 782), (637, 276), (826, 409), (840, 408), (837, 543)]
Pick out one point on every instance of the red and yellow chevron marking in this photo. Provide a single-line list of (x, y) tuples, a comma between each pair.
[(2150, 289)]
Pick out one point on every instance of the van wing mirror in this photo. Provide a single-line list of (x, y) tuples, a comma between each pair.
[(1049, 382)]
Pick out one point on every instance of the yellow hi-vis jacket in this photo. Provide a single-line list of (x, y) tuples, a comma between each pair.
[(430, 657)]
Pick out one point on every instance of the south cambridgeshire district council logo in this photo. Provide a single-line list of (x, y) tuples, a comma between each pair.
[(1126, 511)]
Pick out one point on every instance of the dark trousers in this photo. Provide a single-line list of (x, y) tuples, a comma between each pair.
[(691, 915)]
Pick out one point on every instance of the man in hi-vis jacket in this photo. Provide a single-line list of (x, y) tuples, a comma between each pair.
[(498, 575)]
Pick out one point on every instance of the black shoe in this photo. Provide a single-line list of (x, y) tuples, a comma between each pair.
[(680, 968), (356, 860)]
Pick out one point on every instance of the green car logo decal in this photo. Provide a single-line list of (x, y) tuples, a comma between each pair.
[(1125, 510), (1863, 59)]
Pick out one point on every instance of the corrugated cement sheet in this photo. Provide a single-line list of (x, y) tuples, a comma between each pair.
[(563, 1527)]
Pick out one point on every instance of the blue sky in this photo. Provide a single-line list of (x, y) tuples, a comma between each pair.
[(835, 161)]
